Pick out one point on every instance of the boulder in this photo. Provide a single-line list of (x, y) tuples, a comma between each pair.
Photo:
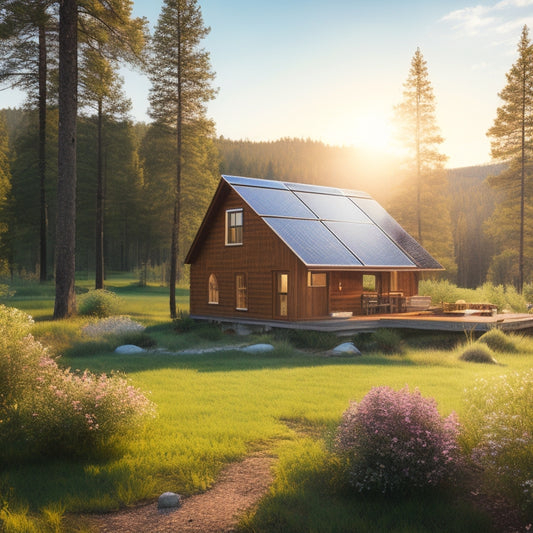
[(346, 349), (258, 348), (169, 500), (128, 349)]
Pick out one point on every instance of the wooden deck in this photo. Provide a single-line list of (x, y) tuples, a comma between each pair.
[(422, 321)]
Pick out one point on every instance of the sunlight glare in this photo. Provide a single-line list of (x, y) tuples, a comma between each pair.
[(372, 131)]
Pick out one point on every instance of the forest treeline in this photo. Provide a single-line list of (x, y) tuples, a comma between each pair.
[(138, 176)]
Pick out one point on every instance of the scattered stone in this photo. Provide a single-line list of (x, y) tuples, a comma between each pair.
[(129, 349), (258, 348), (169, 501), (346, 349)]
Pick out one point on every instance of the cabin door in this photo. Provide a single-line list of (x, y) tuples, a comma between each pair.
[(281, 294)]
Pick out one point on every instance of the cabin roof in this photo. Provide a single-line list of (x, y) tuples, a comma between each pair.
[(328, 227)]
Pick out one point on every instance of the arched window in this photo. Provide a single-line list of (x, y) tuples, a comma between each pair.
[(213, 289)]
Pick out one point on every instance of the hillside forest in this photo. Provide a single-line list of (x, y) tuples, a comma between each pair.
[(138, 175)]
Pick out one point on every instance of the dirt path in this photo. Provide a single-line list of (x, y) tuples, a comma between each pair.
[(217, 510)]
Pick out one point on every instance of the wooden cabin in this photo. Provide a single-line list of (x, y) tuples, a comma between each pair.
[(272, 250)]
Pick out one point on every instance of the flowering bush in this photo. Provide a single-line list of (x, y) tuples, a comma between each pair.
[(116, 325), (99, 303), (396, 440), (48, 410), (499, 433)]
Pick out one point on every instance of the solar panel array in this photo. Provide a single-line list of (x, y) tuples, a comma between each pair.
[(331, 227)]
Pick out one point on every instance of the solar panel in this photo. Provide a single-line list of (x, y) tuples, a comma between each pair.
[(419, 255), (370, 244), (254, 182), (312, 242), (274, 202), (304, 187), (329, 207)]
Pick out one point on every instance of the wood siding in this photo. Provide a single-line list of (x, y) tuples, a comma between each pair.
[(258, 258), (260, 254)]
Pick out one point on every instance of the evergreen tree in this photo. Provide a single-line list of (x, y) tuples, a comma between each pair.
[(27, 38), (101, 90), (65, 298), (5, 186), (181, 85), (422, 205), (512, 141)]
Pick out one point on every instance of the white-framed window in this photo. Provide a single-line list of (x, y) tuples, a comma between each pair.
[(317, 279), (213, 289), (241, 292), (234, 225)]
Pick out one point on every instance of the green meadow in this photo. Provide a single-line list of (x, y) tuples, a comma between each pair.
[(215, 408)]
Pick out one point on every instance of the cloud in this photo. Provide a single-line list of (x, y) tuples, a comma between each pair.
[(501, 17)]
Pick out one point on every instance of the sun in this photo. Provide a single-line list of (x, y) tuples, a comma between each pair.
[(371, 131)]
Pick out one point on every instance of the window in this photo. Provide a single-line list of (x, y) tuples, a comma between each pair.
[(369, 283), (282, 289), (241, 293), (213, 289), (316, 279), (234, 227)]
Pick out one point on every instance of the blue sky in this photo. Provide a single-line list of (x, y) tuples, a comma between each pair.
[(333, 71)]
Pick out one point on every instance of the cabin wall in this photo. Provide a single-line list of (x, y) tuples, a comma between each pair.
[(259, 257)]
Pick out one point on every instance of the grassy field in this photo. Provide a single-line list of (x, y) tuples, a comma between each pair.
[(214, 408)]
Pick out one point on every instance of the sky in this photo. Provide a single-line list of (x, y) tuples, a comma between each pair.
[(333, 71)]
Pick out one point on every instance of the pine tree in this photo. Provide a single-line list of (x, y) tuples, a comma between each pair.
[(181, 78), (65, 298), (426, 183), (5, 187), (27, 37), (512, 141)]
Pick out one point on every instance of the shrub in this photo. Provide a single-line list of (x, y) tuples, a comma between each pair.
[(478, 353), (184, 323), (498, 341), (387, 341), (46, 410), (99, 303), (498, 430), (397, 440), (116, 325), (312, 340)]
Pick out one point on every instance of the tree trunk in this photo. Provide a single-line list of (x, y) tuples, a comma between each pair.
[(99, 254), (43, 236), (65, 302), (174, 248)]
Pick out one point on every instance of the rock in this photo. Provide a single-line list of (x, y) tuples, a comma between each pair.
[(258, 348), (129, 348), (346, 349), (169, 500)]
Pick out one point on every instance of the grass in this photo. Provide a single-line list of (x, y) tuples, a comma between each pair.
[(214, 408)]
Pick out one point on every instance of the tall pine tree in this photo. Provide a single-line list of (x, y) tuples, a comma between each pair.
[(181, 77), (5, 187), (512, 142), (422, 205)]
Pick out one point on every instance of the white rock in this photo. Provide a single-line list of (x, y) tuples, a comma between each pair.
[(346, 348), (129, 348), (258, 348), (168, 500)]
